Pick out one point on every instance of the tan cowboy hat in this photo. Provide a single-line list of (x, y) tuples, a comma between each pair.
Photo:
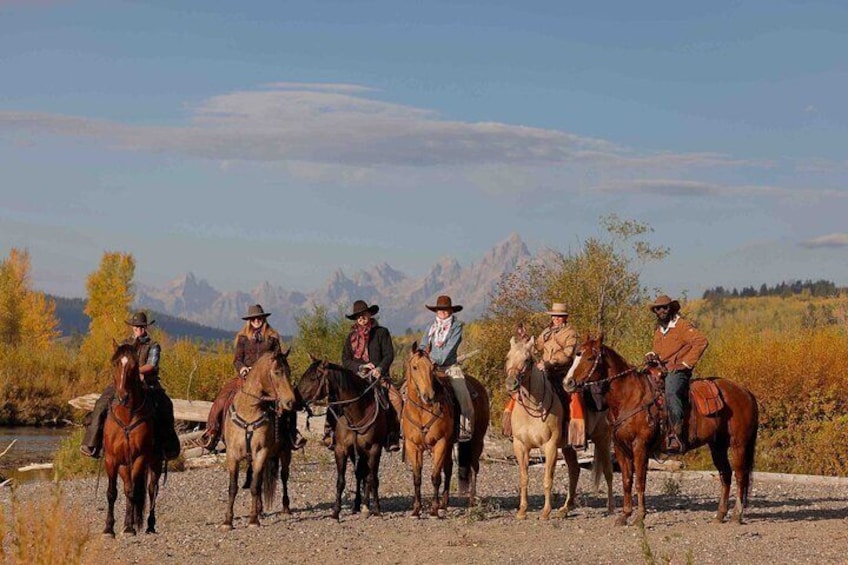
[(663, 300), (444, 303), (139, 320), (255, 311), (360, 307), (557, 309)]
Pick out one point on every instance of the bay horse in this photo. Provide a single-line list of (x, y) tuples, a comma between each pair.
[(252, 432), (428, 422), (632, 398), (361, 427), (538, 422), (128, 445)]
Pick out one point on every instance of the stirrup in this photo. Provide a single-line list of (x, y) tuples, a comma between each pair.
[(89, 451)]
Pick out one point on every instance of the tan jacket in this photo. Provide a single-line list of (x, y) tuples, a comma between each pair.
[(681, 346), (557, 345)]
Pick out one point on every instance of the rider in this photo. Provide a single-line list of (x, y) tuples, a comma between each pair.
[(148, 358), (556, 345), (677, 347), (368, 351), (256, 338), (443, 337)]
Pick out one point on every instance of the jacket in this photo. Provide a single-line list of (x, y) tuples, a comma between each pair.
[(679, 345), (381, 352)]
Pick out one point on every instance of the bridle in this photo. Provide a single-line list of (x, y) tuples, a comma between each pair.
[(323, 390), (533, 408), (601, 382)]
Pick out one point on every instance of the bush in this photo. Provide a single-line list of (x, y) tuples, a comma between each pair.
[(69, 463)]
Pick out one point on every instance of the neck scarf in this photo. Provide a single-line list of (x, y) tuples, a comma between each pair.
[(359, 336), (438, 332)]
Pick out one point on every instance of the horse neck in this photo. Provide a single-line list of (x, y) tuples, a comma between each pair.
[(253, 389), (539, 388), (346, 385), (628, 390)]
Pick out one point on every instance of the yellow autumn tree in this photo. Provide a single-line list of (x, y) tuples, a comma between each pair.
[(110, 295), (26, 316)]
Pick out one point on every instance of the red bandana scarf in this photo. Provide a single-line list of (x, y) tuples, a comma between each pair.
[(359, 341)]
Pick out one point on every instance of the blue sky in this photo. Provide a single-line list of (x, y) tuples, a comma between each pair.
[(281, 140)]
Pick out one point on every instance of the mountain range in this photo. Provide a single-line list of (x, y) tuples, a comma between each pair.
[(401, 298)]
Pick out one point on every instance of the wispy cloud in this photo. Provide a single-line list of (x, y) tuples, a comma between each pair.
[(335, 124), (690, 188), (830, 240)]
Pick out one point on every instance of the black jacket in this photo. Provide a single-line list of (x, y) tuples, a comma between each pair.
[(381, 352)]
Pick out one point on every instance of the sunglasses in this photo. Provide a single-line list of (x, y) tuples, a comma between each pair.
[(657, 308)]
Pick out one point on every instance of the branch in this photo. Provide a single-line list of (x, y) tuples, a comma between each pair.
[(8, 448)]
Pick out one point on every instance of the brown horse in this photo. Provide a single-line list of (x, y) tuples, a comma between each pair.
[(632, 400), (128, 445), (428, 422), (361, 427), (537, 422), (251, 432)]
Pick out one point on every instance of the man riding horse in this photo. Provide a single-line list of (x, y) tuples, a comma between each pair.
[(148, 358), (677, 348)]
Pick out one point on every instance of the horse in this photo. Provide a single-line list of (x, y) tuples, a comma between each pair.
[(537, 421), (252, 432), (428, 422), (128, 441), (361, 427), (632, 398)]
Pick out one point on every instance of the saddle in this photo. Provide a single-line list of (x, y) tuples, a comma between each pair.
[(704, 395)]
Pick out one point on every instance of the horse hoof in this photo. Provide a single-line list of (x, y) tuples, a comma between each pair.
[(562, 513), (109, 535), (253, 524), (334, 515), (521, 516), (621, 521), (150, 531), (128, 532), (286, 510), (416, 513), (225, 527), (545, 515)]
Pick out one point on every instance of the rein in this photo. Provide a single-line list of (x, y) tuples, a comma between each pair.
[(435, 416), (542, 409), (359, 427)]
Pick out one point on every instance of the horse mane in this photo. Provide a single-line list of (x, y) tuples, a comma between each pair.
[(266, 359), (615, 356), (125, 349)]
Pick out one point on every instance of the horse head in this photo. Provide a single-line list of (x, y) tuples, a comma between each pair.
[(519, 360), (125, 371), (588, 364), (313, 384), (274, 375), (420, 374)]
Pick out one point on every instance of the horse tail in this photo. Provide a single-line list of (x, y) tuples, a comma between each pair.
[(270, 474), (463, 461), (139, 495)]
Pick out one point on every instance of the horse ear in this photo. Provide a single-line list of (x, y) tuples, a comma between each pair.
[(312, 358), (601, 337), (414, 347), (114, 345), (286, 352), (511, 342)]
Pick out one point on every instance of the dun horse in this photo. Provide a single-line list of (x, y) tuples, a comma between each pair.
[(128, 445), (537, 421), (361, 427), (429, 424), (632, 399), (251, 432)]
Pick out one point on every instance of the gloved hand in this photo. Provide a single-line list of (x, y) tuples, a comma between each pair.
[(244, 371), (651, 358)]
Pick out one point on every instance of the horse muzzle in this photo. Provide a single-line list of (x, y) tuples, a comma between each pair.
[(570, 385)]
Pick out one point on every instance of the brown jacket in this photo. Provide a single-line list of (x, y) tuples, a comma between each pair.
[(681, 346), (248, 350), (557, 346)]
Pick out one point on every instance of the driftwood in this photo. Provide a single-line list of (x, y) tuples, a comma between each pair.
[(35, 467), (187, 410)]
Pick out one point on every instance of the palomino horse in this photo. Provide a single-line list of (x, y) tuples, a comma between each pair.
[(251, 432), (361, 427), (429, 424), (632, 400), (128, 445), (537, 421)]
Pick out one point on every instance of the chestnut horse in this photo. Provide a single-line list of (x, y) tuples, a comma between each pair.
[(251, 432), (361, 427), (632, 400), (428, 422), (128, 445), (537, 422)]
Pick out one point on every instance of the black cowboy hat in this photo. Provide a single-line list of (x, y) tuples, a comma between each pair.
[(360, 307), (663, 300), (255, 311), (139, 320), (444, 303)]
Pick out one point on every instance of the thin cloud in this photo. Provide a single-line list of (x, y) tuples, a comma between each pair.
[(830, 240), (335, 124), (689, 188)]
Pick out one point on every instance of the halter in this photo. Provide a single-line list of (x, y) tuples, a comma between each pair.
[(324, 390)]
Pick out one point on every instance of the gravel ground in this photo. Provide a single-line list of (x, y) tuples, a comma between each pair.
[(788, 521)]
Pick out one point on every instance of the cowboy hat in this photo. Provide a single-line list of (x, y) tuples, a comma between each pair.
[(360, 307), (139, 320), (444, 303), (255, 311), (557, 309), (663, 300)]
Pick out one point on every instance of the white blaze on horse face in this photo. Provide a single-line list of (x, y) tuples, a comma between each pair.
[(125, 360), (574, 364)]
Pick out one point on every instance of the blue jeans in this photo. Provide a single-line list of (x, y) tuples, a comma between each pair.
[(677, 395)]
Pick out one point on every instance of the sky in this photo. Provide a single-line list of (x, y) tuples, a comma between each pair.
[(279, 141)]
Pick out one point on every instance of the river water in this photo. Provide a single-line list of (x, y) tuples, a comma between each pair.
[(34, 445)]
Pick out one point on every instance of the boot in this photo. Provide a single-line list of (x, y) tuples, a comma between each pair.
[(92, 441), (209, 439), (393, 433), (675, 444)]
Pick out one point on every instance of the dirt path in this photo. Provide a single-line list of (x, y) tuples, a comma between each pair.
[(788, 522)]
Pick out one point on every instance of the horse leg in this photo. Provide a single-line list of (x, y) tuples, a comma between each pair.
[(256, 487), (440, 450), (447, 472), (737, 460), (152, 493), (570, 457), (640, 469), (111, 496), (626, 464), (373, 485), (416, 455), (360, 472), (129, 494), (285, 464), (341, 471), (233, 468), (522, 456), (550, 449)]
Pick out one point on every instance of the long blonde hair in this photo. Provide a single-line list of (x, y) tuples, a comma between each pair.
[(267, 332)]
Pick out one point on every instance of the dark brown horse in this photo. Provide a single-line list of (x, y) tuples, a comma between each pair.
[(361, 427), (632, 398), (429, 424), (128, 445), (252, 432)]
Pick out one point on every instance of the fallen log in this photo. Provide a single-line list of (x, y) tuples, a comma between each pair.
[(35, 467), (186, 410)]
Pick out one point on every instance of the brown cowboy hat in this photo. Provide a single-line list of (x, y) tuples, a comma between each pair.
[(663, 300), (557, 309), (255, 311), (360, 307), (139, 320), (444, 303)]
